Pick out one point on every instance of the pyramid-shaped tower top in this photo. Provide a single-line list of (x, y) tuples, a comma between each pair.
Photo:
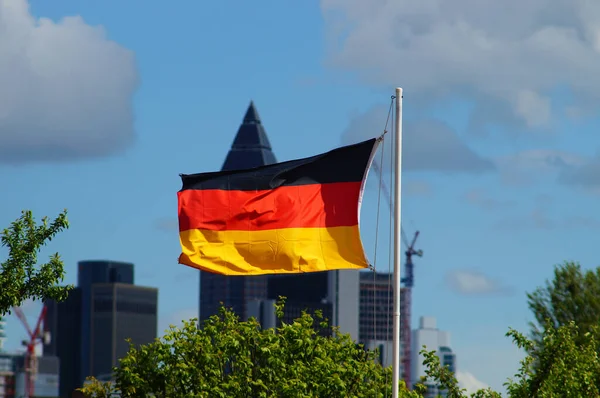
[(251, 147), (252, 114)]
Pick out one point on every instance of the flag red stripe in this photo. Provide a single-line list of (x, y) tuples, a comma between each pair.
[(302, 206)]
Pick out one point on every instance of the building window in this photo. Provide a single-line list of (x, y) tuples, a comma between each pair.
[(136, 307), (103, 304)]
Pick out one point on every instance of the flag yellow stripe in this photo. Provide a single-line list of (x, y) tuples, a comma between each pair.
[(277, 251)]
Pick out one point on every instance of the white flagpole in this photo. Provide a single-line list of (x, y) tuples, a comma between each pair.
[(397, 252)]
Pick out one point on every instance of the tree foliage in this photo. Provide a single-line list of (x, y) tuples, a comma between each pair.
[(572, 296), (566, 364), (230, 358), (21, 277), (442, 376)]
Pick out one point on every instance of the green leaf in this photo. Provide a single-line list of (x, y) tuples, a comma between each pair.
[(21, 277)]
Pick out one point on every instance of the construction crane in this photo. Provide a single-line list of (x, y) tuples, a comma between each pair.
[(405, 312), (35, 336)]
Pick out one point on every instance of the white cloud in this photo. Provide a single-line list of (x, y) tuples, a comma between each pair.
[(479, 198), (585, 175), (539, 218), (526, 167), (469, 382), (66, 88), (467, 282), (508, 56), (428, 145), (533, 108)]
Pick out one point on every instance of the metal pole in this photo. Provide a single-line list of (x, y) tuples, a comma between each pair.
[(397, 245)]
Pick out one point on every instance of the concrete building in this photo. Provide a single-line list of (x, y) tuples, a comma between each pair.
[(12, 376), (89, 329), (2, 332), (434, 339), (334, 292), (7, 376), (385, 348)]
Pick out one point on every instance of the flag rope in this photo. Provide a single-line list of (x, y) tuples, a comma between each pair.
[(390, 237), (376, 244)]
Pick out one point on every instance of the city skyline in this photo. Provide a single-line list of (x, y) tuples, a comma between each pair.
[(500, 152)]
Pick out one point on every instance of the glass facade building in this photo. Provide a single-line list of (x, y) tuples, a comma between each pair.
[(250, 148), (89, 329), (88, 274), (376, 307), (63, 321), (118, 312)]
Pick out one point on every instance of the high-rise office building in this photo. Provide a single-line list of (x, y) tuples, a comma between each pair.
[(376, 306), (251, 148), (90, 273), (89, 329), (119, 312), (333, 292), (376, 311), (63, 321), (302, 292), (2, 332), (434, 339)]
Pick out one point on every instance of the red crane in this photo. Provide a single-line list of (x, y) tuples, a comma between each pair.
[(35, 335), (405, 312)]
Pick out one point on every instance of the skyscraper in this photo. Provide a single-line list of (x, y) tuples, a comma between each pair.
[(63, 321), (89, 328), (376, 307), (376, 311), (91, 273), (2, 332), (119, 311), (251, 148), (434, 339), (333, 292)]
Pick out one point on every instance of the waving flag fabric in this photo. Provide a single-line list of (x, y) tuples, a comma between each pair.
[(290, 217)]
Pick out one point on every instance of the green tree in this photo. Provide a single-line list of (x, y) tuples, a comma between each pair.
[(219, 363), (442, 376), (573, 295), (566, 364), (21, 278), (230, 358)]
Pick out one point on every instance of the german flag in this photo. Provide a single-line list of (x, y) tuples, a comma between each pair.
[(285, 218)]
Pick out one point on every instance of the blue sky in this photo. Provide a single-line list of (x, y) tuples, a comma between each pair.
[(100, 113)]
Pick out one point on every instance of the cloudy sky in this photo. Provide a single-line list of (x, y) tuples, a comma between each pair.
[(104, 103)]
